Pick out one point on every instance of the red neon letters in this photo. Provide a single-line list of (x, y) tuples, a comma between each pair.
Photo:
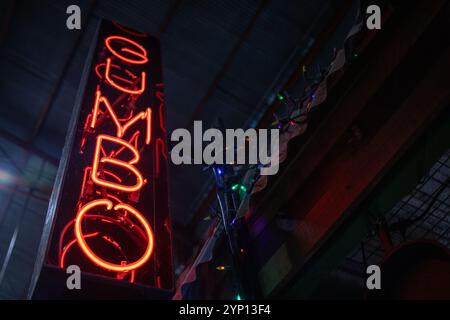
[(128, 165), (113, 178), (90, 253), (121, 128)]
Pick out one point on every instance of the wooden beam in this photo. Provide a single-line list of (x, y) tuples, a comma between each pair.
[(344, 172), (383, 57), (398, 183)]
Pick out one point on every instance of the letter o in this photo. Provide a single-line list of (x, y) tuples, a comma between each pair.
[(90, 253)]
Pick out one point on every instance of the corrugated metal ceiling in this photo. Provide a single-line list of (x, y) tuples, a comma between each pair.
[(197, 39)]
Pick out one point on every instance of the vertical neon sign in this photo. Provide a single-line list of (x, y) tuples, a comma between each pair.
[(111, 218)]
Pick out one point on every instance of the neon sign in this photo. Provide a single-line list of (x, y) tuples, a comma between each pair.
[(112, 215)]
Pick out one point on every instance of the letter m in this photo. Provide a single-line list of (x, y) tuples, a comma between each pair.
[(121, 126)]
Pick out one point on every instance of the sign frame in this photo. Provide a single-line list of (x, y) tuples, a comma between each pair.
[(48, 279)]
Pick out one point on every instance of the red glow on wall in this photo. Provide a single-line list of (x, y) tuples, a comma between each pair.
[(113, 213), (121, 125)]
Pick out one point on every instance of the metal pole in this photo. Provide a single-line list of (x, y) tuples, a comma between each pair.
[(227, 217)]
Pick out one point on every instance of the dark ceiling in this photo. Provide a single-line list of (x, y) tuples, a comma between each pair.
[(220, 58)]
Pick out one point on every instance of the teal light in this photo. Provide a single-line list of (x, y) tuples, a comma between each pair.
[(234, 187), (238, 297), (243, 188), (280, 97)]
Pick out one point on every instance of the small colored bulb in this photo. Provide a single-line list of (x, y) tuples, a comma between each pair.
[(280, 97), (234, 187), (243, 188)]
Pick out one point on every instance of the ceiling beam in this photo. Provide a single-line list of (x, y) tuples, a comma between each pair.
[(7, 12), (169, 17), (29, 147), (227, 63), (322, 39), (390, 105), (45, 110)]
